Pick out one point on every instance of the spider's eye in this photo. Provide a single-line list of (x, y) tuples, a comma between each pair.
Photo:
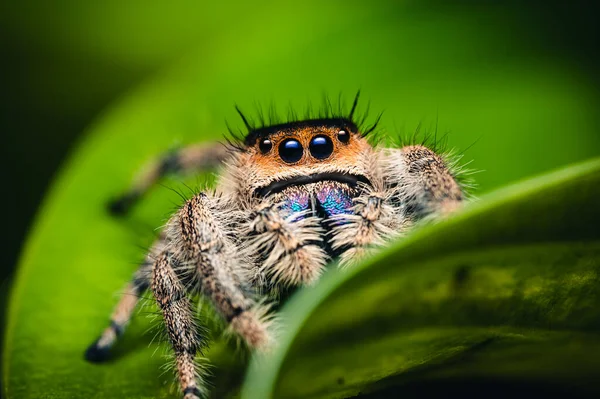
[(265, 146), (321, 147), (343, 136), (290, 150)]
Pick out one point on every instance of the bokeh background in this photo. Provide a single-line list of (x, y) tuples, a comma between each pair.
[(515, 83)]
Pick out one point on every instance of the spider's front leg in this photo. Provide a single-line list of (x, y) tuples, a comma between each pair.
[(201, 236), (195, 251), (200, 249), (409, 184)]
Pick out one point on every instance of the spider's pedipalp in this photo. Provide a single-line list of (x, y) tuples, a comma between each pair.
[(289, 244), (373, 222)]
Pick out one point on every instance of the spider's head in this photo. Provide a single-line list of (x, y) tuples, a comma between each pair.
[(303, 152)]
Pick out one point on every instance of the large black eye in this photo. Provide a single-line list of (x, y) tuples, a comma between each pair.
[(321, 147), (291, 150), (265, 146), (343, 136)]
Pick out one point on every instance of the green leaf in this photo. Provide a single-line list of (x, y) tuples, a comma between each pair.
[(410, 61), (507, 291)]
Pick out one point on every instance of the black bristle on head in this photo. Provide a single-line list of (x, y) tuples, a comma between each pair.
[(371, 128), (292, 116), (241, 114), (354, 104), (328, 115), (266, 131), (261, 115), (235, 139)]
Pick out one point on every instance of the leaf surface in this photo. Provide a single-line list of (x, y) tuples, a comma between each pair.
[(507, 292)]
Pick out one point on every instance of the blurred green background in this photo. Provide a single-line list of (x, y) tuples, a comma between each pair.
[(515, 83)]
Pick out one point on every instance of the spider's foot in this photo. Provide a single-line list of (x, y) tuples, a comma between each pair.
[(97, 353), (191, 393), (253, 327), (121, 206)]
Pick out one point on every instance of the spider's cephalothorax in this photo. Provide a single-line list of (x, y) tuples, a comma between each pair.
[(291, 198)]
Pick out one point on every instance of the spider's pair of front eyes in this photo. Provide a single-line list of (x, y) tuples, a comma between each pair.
[(291, 150)]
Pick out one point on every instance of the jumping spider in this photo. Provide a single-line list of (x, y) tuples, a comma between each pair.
[(292, 197)]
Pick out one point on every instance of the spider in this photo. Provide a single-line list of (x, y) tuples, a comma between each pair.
[(292, 197)]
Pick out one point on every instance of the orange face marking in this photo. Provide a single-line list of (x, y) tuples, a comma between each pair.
[(292, 151), (343, 153)]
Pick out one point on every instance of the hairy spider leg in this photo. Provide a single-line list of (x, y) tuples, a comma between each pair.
[(191, 159), (198, 246), (423, 182), (416, 183), (140, 282)]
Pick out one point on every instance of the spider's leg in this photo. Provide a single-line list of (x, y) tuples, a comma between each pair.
[(193, 158), (201, 233), (422, 181), (99, 350), (413, 183), (171, 296), (287, 245), (201, 254)]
